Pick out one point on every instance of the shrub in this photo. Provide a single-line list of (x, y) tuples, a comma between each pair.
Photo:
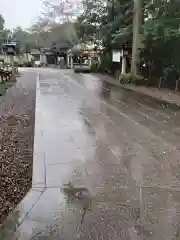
[(28, 64), (94, 67), (19, 65), (117, 74), (81, 70), (106, 62), (128, 78)]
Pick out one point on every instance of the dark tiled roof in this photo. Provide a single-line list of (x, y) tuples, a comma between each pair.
[(35, 51), (62, 46)]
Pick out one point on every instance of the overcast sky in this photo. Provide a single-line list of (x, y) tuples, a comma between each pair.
[(20, 12)]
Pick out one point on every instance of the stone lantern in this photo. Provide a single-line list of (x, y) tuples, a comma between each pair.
[(11, 49)]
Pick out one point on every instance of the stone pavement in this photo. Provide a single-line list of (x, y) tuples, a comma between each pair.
[(123, 150)]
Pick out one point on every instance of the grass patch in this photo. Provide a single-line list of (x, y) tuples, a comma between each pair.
[(5, 86)]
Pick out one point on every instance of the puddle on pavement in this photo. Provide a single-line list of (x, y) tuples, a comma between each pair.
[(79, 195), (87, 123), (105, 90), (11, 121), (88, 126)]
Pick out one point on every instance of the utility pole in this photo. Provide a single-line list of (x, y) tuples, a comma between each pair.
[(137, 21)]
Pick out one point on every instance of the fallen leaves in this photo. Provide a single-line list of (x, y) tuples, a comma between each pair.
[(16, 147)]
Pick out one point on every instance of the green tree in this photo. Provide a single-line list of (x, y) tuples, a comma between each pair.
[(1, 22), (162, 39), (89, 23), (56, 24), (108, 24), (5, 34), (109, 21)]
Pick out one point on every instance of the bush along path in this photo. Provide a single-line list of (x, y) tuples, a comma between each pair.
[(17, 113)]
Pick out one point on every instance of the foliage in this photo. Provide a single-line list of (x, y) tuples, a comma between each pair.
[(95, 65), (28, 64), (107, 25), (106, 62), (90, 21), (5, 34), (60, 11), (1, 22), (53, 26), (128, 78), (4, 86), (162, 39), (44, 39), (103, 22)]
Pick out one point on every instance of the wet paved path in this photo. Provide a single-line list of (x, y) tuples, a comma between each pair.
[(122, 148)]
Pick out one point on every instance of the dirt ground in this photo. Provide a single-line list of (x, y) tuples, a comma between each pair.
[(17, 119)]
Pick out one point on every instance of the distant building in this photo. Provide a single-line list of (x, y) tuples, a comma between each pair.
[(50, 56), (61, 50)]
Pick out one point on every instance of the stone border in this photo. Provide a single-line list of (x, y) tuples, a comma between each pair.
[(112, 81)]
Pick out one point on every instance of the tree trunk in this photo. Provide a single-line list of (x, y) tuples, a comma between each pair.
[(160, 81), (137, 21), (177, 85)]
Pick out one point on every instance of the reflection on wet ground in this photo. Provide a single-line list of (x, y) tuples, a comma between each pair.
[(105, 90), (106, 164)]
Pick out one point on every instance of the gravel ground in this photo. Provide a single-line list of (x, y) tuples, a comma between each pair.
[(17, 118)]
